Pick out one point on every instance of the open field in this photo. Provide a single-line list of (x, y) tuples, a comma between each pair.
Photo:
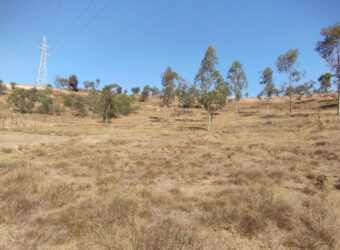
[(265, 181)]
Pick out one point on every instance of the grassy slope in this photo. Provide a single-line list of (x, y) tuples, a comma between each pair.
[(143, 182)]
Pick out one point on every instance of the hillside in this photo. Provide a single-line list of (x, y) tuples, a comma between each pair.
[(265, 181)]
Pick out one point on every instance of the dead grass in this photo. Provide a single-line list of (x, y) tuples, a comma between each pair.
[(253, 183)]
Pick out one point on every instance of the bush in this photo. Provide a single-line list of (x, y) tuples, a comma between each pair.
[(79, 105), (23, 100), (68, 100), (112, 104), (47, 105), (92, 100), (124, 104)]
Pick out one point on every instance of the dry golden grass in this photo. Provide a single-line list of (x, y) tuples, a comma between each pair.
[(265, 181)]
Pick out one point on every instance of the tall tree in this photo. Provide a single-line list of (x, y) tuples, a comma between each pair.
[(287, 63), (325, 82), (238, 81), (329, 49), (145, 93), (269, 87), (169, 79), (211, 84), (73, 82)]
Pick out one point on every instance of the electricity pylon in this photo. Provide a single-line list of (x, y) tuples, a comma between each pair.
[(42, 70)]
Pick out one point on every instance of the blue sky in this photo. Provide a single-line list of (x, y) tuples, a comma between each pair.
[(132, 42)]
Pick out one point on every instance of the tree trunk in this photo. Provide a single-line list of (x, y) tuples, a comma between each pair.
[(338, 99), (210, 116), (106, 113), (267, 104), (236, 108)]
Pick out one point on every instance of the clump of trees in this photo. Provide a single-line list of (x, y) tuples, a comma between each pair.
[(26, 100), (111, 104), (329, 49), (91, 85), (71, 83), (60, 82)]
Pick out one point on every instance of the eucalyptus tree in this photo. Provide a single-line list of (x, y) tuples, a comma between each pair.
[(329, 49), (213, 89), (269, 87), (287, 63), (145, 93), (238, 81)]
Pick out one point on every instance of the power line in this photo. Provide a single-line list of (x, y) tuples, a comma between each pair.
[(52, 16), (87, 24), (74, 21)]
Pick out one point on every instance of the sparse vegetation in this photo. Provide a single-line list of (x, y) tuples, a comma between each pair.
[(258, 182)]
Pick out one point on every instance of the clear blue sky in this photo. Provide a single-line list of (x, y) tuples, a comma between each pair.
[(133, 41)]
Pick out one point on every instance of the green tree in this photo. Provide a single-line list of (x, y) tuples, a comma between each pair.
[(2, 88), (238, 81), (329, 49), (145, 93), (13, 84), (107, 108), (287, 63), (73, 82), (269, 87), (211, 84), (112, 104), (135, 90), (169, 79), (325, 82)]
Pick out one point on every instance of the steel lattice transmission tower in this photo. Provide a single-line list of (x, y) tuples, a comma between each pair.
[(42, 70)]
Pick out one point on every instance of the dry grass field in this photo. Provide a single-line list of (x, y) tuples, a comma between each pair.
[(265, 181)]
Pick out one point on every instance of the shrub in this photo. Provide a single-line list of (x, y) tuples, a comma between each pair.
[(112, 104), (79, 105), (68, 100), (23, 100), (47, 105), (124, 103), (92, 101)]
